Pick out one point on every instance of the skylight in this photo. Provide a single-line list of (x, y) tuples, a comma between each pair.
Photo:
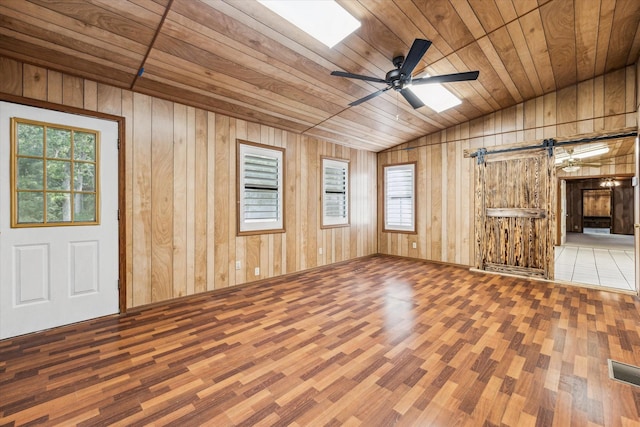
[(325, 20), (435, 96)]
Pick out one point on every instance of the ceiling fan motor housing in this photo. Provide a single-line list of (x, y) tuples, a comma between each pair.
[(395, 79)]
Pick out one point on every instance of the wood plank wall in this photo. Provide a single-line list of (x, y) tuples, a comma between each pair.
[(445, 203), (180, 191)]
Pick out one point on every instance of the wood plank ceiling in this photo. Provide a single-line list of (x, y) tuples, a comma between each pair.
[(238, 58)]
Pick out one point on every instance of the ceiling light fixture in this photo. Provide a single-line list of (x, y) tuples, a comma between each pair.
[(324, 20), (435, 96), (572, 168), (609, 182)]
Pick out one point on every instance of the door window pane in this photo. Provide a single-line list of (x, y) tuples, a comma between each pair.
[(55, 170), (30, 140), (30, 207), (30, 174), (58, 143)]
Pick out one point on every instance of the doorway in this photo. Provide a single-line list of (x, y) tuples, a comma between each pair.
[(595, 243), (58, 218)]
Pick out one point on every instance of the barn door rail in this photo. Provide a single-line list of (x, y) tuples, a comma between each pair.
[(548, 144)]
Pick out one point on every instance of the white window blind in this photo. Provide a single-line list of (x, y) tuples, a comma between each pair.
[(335, 197), (261, 195), (399, 197)]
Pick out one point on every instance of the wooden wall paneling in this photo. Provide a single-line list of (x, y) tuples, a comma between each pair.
[(12, 81), (108, 97), (35, 82), (277, 249), (180, 211), (200, 205), (162, 206), (211, 201), (90, 95), (566, 112), (141, 203), (550, 105), (430, 177), (454, 201), (221, 146), (230, 210), (240, 130), (72, 91), (312, 220), (302, 178), (54, 87), (630, 96), (127, 111), (265, 239), (584, 107), (422, 203), (292, 201), (190, 198), (614, 100), (351, 235), (437, 194), (529, 118), (598, 104), (449, 207), (467, 210)]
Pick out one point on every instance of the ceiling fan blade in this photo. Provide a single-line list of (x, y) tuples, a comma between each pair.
[(368, 97), (412, 98), (445, 78), (417, 51), (357, 76)]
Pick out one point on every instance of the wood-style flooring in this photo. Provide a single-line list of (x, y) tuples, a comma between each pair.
[(379, 341)]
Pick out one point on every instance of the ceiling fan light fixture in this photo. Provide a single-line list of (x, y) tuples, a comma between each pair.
[(435, 96), (572, 168), (325, 20), (582, 153)]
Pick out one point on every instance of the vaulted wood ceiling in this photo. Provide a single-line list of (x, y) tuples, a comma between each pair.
[(239, 58)]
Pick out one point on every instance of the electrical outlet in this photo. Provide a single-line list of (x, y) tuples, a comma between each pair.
[(320, 251), (414, 245), (257, 271), (238, 265)]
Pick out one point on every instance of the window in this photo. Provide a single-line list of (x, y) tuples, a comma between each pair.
[(260, 188), (399, 198), (335, 192), (54, 174)]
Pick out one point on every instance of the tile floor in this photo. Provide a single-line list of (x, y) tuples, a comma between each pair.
[(612, 268)]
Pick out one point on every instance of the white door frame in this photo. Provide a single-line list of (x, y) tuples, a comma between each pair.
[(122, 291)]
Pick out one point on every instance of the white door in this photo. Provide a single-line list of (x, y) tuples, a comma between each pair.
[(60, 274)]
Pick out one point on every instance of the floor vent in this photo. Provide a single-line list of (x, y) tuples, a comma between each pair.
[(622, 372)]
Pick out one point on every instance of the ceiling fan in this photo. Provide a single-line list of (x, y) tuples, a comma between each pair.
[(572, 164), (400, 78)]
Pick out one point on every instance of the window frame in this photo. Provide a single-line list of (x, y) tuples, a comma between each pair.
[(336, 163), (14, 223), (244, 228), (386, 228)]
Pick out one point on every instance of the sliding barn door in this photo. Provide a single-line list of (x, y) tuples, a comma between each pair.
[(514, 213)]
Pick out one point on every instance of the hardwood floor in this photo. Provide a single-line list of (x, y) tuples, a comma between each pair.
[(378, 341)]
